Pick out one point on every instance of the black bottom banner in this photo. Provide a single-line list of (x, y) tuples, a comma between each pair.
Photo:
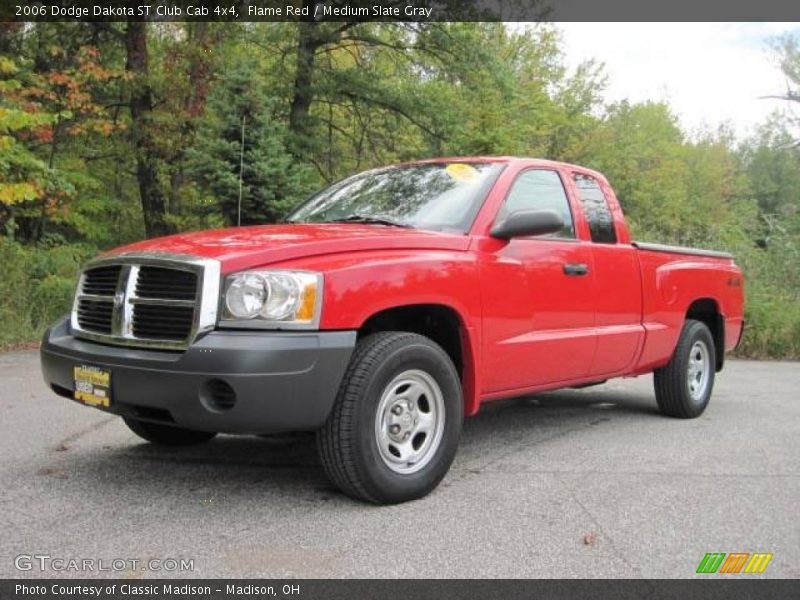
[(389, 589)]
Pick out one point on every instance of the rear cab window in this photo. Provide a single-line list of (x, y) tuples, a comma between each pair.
[(595, 208)]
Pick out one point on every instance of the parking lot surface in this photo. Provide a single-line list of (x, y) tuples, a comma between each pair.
[(575, 483)]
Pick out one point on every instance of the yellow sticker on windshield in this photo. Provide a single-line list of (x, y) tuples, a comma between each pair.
[(462, 172)]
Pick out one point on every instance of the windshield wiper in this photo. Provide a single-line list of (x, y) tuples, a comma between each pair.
[(377, 220)]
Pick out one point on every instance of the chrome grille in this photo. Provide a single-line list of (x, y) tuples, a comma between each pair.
[(101, 281), (158, 282), (95, 315), (162, 322), (147, 300)]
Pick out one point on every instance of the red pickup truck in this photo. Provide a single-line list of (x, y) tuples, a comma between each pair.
[(389, 306)]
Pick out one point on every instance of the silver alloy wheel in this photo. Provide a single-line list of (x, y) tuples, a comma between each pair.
[(698, 371), (409, 423)]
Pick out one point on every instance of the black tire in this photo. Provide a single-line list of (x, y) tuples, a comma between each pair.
[(166, 435), (672, 383), (347, 443)]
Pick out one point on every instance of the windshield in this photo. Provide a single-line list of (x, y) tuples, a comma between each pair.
[(442, 196)]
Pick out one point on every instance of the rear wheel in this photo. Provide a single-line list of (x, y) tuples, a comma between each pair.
[(395, 425), (166, 435), (683, 387)]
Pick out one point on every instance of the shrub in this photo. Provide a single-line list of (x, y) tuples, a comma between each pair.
[(36, 286), (52, 299), (773, 324)]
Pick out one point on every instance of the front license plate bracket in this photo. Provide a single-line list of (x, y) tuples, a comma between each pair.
[(92, 385)]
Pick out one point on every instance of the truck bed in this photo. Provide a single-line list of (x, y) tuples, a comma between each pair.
[(677, 281)]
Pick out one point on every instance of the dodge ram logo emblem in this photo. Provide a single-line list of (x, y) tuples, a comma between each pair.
[(119, 299)]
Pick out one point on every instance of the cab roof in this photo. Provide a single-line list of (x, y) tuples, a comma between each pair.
[(519, 160)]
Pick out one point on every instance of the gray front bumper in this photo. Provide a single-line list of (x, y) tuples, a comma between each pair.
[(283, 381)]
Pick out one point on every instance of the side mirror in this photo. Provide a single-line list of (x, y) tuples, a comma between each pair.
[(523, 223)]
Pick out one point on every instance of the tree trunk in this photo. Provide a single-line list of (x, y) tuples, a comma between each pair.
[(302, 91), (199, 68), (199, 43), (144, 147)]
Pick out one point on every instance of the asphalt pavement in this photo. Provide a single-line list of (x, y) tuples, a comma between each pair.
[(574, 483)]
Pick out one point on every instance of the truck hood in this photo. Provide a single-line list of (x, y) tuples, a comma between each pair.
[(247, 247)]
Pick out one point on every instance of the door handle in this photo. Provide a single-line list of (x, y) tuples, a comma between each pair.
[(576, 269)]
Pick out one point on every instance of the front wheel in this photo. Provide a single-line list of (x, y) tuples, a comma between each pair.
[(394, 428), (166, 435), (683, 387)]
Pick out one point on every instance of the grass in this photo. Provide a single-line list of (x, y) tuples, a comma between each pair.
[(36, 288)]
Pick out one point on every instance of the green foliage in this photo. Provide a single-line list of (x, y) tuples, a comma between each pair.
[(42, 112), (37, 286), (241, 131), (772, 284), (23, 176), (51, 298), (773, 170), (773, 324), (320, 101)]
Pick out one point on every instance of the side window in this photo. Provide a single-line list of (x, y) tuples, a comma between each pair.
[(595, 207), (538, 188)]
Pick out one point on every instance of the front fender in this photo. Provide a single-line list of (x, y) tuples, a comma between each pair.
[(360, 285)]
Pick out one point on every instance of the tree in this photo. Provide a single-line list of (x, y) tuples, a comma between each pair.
[(788, 50), (24, 177), (352, 67), (773, 168), (154, 205), (45, 111), (241, 132)]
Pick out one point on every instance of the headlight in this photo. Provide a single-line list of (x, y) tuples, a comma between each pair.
[(275, 299), (245, 296)]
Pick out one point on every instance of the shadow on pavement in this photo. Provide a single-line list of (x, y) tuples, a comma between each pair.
[(287, 463)]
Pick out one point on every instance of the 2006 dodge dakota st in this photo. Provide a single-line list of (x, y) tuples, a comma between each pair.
[(389, 306)]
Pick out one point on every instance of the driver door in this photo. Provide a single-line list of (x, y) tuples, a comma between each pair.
[(537, 296)]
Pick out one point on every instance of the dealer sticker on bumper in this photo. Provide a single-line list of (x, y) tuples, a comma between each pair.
[(92, 385)]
